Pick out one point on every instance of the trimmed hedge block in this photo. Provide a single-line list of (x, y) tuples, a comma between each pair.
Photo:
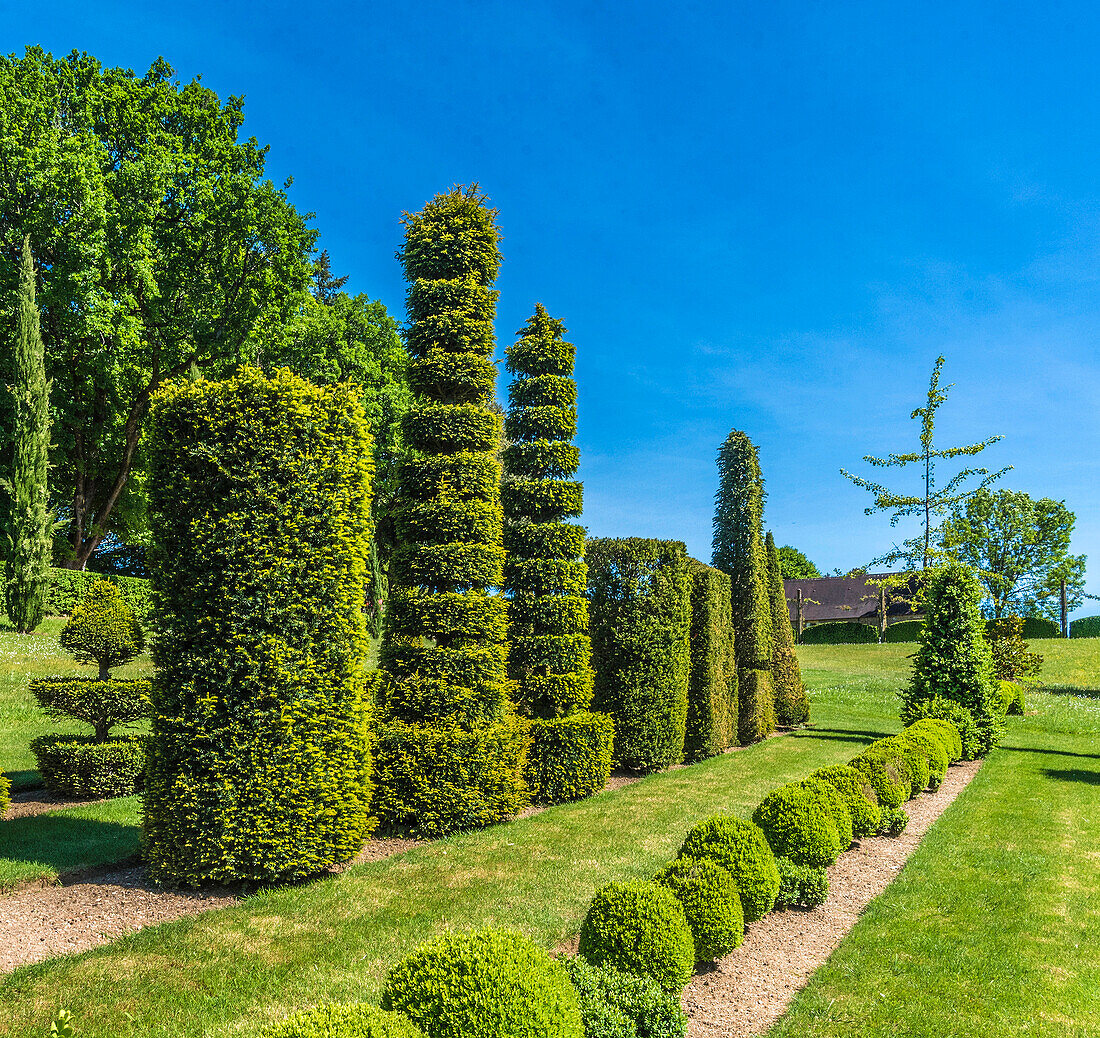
[(742, 849), (840, 632), (355, 1020), (711, 905), (1086, 627), (78, 766), (569, 758), (799, 826), (903, 631)]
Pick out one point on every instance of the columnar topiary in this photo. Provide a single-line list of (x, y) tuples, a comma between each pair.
[(742, 849), (28, 554), (449, 752), (712, 690), (484, 984), (640, 610), (738, 549), (549, 656), (953, 659), (259, 757), (792, 707), (711, 904)]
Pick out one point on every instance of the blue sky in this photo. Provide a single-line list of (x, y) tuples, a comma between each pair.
[(764, 216)]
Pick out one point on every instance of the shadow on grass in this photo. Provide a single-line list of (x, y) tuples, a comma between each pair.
[(67, 844), (1071, 690), (24, 780), (1059, 753), (1091, 778), (839, 734)]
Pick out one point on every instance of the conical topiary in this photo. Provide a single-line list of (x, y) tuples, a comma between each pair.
[(792, 707)]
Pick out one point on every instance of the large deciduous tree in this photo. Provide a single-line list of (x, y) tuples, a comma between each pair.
[(162, 247), (794, 565), (1019, 548)]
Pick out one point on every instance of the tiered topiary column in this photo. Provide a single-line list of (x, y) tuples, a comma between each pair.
[(450, 753), (545, 573), (739, 551), (792, 707)]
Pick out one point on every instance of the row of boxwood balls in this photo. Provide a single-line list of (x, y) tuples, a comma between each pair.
[(640, 941)]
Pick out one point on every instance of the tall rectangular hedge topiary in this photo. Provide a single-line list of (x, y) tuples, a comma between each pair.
[(711, 726), (639, 595), (259, 762), (450, 753)]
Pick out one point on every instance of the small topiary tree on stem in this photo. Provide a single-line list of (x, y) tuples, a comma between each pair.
[(103, 630)]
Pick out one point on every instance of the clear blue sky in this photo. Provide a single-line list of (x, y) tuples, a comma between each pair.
[(764, 216)]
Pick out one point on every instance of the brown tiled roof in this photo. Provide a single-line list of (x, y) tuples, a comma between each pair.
[(843, 598)]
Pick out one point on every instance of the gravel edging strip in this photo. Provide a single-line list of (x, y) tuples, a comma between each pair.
[(750, 989)]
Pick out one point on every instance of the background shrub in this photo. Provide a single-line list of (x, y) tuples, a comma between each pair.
[(65, 588), (484, 984), (840, 632), (894, 821), (78, 766), (355, 1020), (639, 928), (903, 631), (640, 605), (102, 704), (741, 848), (1011, 658), (859, 797), (569, 757), (798, 826), (711, 726), (939, 709), (614, 1004), (800, 886), (1086, 627), (259, 755), (792, 707), (711, 905), (1040, 627)]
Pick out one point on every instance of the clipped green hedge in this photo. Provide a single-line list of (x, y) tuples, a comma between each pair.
[(484, 984), (903, 631), (102, 704), (800, 886), (798, 825), (711, 904), (711, 725), (1086, 627), (79, 766), (834, 802), (742, 849), (5, 794), (859, 797), (569, 758), (615, 1004), (65, 588), (259, 754), (640, 928), (640, 607), (894, 821), (354, 1020), (840, 632), (1040, 627), (933, 750), (792, 705), (945, 731)]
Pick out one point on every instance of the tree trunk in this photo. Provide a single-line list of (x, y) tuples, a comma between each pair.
[(104, 671)]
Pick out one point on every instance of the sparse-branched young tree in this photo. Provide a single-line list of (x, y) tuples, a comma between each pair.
[(792, 707), (545, 574), (933, 502), (28, 558), (738, 549), (450, 753)]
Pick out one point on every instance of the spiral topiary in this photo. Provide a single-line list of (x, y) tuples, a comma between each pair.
[(859, 797), (640, 928), (483, 984), (711, 904), (354, 1020), (741, 848), (798, 826)]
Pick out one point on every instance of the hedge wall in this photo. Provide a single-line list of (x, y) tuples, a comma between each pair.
[(66, 587), (259, 759), (1036, 627), (840, 632), (792, 707), (450, 755), (1086, 627), (640, 605), (904, 631), (711, 725)]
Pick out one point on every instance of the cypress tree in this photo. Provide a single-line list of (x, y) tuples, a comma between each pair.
[(26, 570), (791, 705), (738, 549), (450, 755), (545, 574)]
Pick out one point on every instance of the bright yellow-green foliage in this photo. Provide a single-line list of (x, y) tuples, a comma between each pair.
[(792, 707), (569, 757), (102, 704), (5, 794), (711, 725), (449, 754), (77, 766), (711, 904), (103, 629), (260, 512), (859, 797), (352, 1020), (484, 984), (830, 798), (799, 826), (65, 588)]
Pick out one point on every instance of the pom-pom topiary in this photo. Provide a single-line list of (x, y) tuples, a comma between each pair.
[(800, 886), (355, 1020), (831, 799), (711, 904), (859, 797), (798, 826), (624, 1005), (640, 928), (101, 704), (484, 984), (741, 848), (103, 629)]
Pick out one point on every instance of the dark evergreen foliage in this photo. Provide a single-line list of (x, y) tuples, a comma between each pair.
[(712, 690), (792, 707)]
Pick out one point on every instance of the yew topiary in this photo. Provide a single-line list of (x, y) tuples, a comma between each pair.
[(792, 706), (742, 849), (711, 726), (102, 629), (798, 826), (711, 904)]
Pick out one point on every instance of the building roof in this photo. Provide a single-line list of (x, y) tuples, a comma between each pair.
[(844, 598)]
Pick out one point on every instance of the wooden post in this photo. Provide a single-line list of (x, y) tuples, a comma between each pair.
[(801, 617), (1065, 611)]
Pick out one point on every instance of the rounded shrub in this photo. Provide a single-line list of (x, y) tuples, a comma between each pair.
[(79, 766), (711, 905), (355, 1020), (859, 797), (640, 928), (948, 710), (886, 774), (915, 759), (483, 984), (741, 848), (894, 821), (569, 758), (945, 731), (102, 629), (615, 1004), (903, 631), (840, 632), (800, 886), (933, 751), (798, 826), (831, 799)]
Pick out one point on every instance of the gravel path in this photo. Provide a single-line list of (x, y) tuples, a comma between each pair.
[(751, 988)]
